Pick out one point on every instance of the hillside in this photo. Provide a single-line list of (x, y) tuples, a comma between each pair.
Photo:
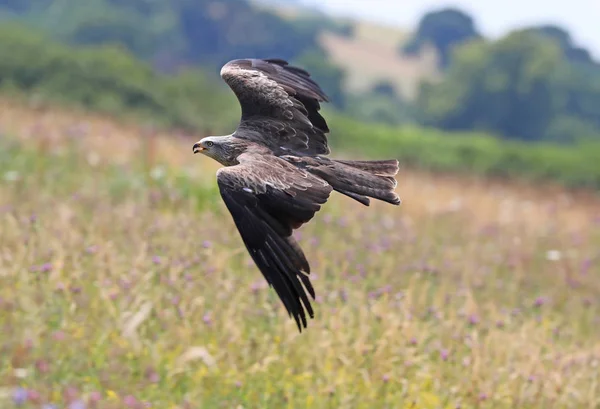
[(370, 56)]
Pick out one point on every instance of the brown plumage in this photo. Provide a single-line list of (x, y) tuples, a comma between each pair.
[(277, 176)]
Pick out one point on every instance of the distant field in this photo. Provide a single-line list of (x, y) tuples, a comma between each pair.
[(123, 281), (372, 56)]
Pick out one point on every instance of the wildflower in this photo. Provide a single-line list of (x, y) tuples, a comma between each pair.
[(539, 301), (585, 266), (206, 244), (33, 396), (444, 354), (386, 378), (130, 401), (553, 255), (207, 318), (344, 295), (473, 319), (77, 404), (42, 366), (94, 398), (11, 176), (152, 375), (156, 259), (19, 396)]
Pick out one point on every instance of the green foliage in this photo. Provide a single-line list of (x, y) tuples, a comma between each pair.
[(380, 105), (444, 29), (173, 34), (564, 40), (106, 79), (217, 32), (520, 86)]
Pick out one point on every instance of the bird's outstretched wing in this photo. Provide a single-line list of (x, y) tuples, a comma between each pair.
[(268, 198), (280, 105)]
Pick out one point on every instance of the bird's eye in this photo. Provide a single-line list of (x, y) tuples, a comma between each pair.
[(209, 144)]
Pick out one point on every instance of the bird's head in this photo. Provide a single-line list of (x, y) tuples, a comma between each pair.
[(215, 147)]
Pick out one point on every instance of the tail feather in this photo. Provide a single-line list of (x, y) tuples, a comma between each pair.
[(387, 167), (358, 180)]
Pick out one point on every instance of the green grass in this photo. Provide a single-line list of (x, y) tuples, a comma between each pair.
[(117, 287)]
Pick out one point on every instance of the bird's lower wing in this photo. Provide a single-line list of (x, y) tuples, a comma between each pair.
[(268, 198)]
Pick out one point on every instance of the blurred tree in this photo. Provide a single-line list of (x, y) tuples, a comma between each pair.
[(381, 105), (444, 29), (503, 87), (217, 32), (564, 40), (521, 86)]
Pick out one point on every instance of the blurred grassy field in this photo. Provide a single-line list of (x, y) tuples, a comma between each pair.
[(123, 284)]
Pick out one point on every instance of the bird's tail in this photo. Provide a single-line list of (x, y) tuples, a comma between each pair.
[(361, 179)]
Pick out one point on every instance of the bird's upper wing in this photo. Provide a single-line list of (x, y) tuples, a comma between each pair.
[(268, 198), (280, 105)]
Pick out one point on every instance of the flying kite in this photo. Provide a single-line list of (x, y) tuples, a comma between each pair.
[(277, 175)]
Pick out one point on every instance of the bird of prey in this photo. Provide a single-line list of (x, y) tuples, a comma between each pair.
[(277, 175)]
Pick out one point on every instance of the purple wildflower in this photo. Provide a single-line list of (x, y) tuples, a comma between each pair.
[(344, 295), (33, 396), (386, 378), (206, 244), (444, 354), (77, 404), (95, 397), (19, 396), (539, 301), (473, 319), (42, 366), (207, 318), (130, 401), (152, 375), (58, 335), (156, 259), (585, 266)]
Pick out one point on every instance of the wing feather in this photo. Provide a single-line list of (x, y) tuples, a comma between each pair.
[(268, 198), (280, 105)]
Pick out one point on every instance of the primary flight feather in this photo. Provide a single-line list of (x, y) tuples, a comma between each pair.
[(277, 174)]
